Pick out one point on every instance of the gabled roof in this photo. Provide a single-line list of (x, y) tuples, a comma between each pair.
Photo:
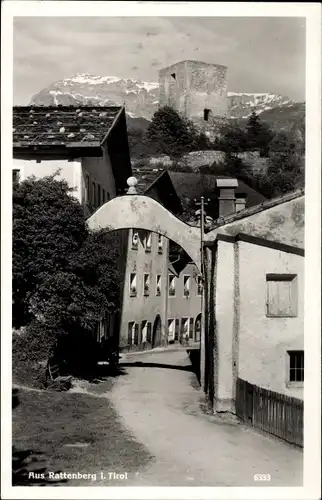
[(62, 126)]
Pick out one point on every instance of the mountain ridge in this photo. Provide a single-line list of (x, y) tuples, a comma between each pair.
[(141, 97)]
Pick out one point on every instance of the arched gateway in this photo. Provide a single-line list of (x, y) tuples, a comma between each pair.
[(133, 211), (142, 212)]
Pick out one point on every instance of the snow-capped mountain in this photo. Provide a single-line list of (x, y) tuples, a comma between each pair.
[(140, 97), (241, 105)]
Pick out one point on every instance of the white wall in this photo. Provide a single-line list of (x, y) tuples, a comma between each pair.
[(69, 170), (264, 341)]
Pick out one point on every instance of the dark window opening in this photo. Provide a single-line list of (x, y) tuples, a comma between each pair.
[(173, 75), (206, 114), (296, 366)]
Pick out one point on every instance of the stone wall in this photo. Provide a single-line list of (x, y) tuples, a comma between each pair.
[(191, 161)]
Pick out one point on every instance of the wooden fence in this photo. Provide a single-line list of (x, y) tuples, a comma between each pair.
[(270, 411)]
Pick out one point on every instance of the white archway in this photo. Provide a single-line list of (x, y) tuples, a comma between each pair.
[(141, 212)]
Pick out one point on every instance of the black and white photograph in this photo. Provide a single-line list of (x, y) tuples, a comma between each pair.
[(159, 250)]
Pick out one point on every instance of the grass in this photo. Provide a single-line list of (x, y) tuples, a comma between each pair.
[(48, 421)]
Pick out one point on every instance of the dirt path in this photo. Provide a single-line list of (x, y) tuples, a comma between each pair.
[(160, 405)]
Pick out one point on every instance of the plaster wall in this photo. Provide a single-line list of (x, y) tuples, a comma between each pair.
[(264, 341)]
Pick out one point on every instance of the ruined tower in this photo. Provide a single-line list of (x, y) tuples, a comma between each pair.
[(195, 89)]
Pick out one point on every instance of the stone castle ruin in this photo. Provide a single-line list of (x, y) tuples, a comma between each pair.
[(197, 91)]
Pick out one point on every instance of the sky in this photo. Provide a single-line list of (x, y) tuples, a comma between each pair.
[(262, 54)]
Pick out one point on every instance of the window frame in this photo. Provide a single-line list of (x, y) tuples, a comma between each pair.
[(294, 383), (171, 336), (280, 278)]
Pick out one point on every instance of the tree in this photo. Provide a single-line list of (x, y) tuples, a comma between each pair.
[(64, 276), (172, 134), (233, 139), (258, 134)]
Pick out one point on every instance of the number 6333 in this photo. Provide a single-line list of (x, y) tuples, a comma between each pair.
[(262, 477)]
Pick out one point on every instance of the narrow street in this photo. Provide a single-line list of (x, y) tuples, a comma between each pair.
[(159, 401)]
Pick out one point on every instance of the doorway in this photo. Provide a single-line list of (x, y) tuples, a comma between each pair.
[(156, 337)]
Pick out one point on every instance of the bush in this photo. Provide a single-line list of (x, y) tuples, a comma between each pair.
[(64, 277)]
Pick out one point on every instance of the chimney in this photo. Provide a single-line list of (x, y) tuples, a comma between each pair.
[(227, 200), (240, 201)]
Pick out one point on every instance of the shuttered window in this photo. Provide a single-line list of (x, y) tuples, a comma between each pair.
[(191, 328), (186, 286), (130, 334), (172, 285), (171, 329), (160, 243), (281, 295), (144, 332), (177, 330), (135, 240), (149, 333), (146, 284), (158, 285), (199, 285), (148, 242), (133, 287), (136, 334)]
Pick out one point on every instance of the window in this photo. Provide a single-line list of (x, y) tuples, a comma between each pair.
[(103, 195), (133, 288), (149, 333), (296, 366), (186, 286), (98, 195), (144, 331), (146, 284), (135, 240), (206, 114), (172, 285), (15, 175), (173, 75), (171, 329), (160, 243), (148, 242), (87, 193), (199, 285), (158, 287), (281, 295), (131, 332), (94, 195), (185, 323), (177, 330)]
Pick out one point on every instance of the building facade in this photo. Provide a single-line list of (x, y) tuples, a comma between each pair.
[(258, 257), (85, 146)]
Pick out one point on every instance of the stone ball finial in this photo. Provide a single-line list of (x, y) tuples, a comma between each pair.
[(131, 182)]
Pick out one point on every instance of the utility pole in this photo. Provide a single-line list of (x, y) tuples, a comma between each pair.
[(202, 204)]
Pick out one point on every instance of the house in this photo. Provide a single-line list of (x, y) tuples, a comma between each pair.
[(257, 259), (87, 145), (89, 148)]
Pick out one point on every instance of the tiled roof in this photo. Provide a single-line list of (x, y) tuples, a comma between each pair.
[(195, 185), (62, 125), (145, 175)]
